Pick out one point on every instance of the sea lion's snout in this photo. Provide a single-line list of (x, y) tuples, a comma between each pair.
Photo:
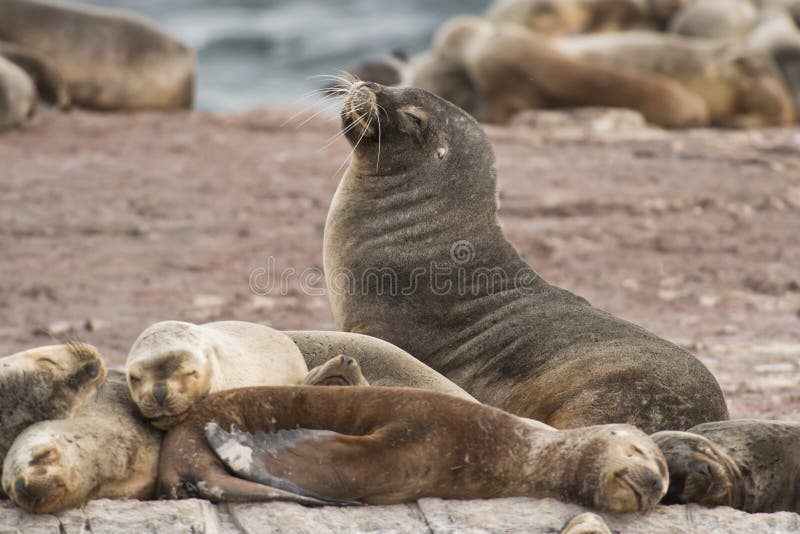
[(360, 110), (160, 393)]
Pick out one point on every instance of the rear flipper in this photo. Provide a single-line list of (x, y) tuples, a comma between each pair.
[(250, 455)]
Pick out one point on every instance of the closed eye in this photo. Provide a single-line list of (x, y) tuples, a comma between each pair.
[(416, 120)]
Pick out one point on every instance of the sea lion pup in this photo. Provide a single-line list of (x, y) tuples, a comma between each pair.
[(173, 364), (553, 18), (49, 83), (717, 19), (751, 465), (110, 59), (740, 87), (517, 70), (107, 451), (389, 445), (461, 299), (50, 382), (17, 95), (382, 363), (341, 370)]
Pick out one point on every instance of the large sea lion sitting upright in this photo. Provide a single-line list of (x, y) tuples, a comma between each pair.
[(414, 254), (110, 59)]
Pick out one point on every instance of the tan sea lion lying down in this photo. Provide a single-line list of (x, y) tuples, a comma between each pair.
[(110, 59)]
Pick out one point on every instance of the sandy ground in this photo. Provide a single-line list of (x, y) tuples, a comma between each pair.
[(111, 222)]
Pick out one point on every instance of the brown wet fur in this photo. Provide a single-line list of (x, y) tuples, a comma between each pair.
[(512, 340), (517, 70), (396, 445), (109, 58), (753, 465)]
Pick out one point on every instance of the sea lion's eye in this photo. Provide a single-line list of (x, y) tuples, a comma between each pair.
[(190, 373), (416, 120), (135, 379), (47, 361)]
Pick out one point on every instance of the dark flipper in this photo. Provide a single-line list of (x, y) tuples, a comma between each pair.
[(252, 456), (48, 80), (788, 60)]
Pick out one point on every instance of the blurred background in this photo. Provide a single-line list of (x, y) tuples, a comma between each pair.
[(263, 52)]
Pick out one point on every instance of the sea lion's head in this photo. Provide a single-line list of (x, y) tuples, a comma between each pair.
[(42, 470), (699, 471), (169, 369), (624, 469), (765, 85), (340, 370), (409, 134), (71, 372)]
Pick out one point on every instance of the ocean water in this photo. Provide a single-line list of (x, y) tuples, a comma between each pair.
[(267, 52)]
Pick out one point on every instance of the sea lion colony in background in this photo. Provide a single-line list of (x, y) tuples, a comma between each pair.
[(681, 63)]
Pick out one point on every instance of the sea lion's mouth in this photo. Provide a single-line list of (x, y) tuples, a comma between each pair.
[(625, 479), (359, 113)]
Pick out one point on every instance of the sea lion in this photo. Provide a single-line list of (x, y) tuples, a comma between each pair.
[(414, 254), (380, 445), (717, 19), (752, 465), (51, 382), (173, 364), (17, 95), (111, 59), (740, 87), (552, 18), (382, 363), (107, 450), (777, 34), (49, 83), (517, 70), (586, 523), (341, 370)]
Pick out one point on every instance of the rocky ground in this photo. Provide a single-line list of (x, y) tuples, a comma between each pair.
[(109, 223)]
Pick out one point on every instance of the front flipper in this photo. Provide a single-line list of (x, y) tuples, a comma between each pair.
[(251, 456)]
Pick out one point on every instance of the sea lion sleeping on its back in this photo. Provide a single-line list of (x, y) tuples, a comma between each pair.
[(390, 445)]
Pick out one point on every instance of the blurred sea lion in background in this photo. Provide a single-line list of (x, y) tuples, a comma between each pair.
[(49, 83), (729, 19), (740, 87), (516, 70), (748, 464), (553, 18), (341, 370), (17, 95), (109, 58)]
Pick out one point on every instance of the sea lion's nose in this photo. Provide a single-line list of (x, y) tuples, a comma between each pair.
[(347, 361), (655, 482), (91, 369), (21, 489), (374, 87), (160, 394), (703, 468)]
